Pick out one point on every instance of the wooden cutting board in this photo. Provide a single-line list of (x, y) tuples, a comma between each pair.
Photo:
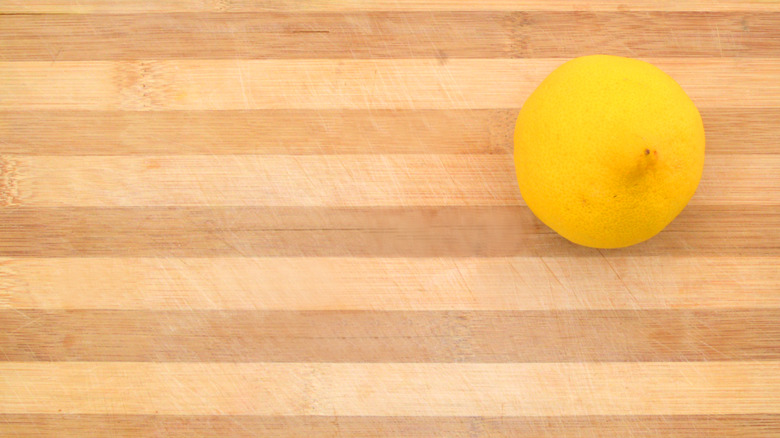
[(257, 218)]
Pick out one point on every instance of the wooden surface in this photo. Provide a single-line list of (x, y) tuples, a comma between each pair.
[(288, 218)]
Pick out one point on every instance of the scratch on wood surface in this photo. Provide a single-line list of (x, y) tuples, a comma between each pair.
[(465, 282), (720, 44), (249, 104), (630, 293), (554, 275)]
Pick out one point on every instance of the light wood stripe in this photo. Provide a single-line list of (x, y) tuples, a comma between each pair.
[(330, 180), (402, 284), (321, 132), (680, 388), (247, 426), (270, 180), (359, 232), (386, 35), (343, 84), (377, 336), (156, 6)]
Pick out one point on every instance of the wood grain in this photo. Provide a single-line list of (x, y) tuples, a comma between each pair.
[(153, 6), (321, 132), (392, 283), (366, 84), (234, 218), (362, 232), (643, 426), (422, 336), (440, 35), (392, 389)]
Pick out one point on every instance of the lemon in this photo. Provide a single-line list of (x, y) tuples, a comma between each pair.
[(608, 151)]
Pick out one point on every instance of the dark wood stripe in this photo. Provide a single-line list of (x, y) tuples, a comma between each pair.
[(159, 6), (729, 131), (381, 336), (744, 131), (364, 232), (442, 35), (638, 426), (259, 132)]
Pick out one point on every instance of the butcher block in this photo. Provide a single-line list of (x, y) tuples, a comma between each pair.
[(241, 218)]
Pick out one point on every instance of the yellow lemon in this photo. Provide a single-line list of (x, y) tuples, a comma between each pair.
[(608, 151)]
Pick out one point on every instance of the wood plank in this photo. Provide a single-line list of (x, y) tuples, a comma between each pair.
[(399, 337), (157, 6), (392, 284), (343, 84), (356, 389), (292, 132), (321, 132), (327, 180), (334, 180), (439, 35), (741, 130), (262, 36), (219, 426), (359, 232)]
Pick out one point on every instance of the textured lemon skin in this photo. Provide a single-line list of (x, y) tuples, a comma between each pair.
[(608, 151)]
